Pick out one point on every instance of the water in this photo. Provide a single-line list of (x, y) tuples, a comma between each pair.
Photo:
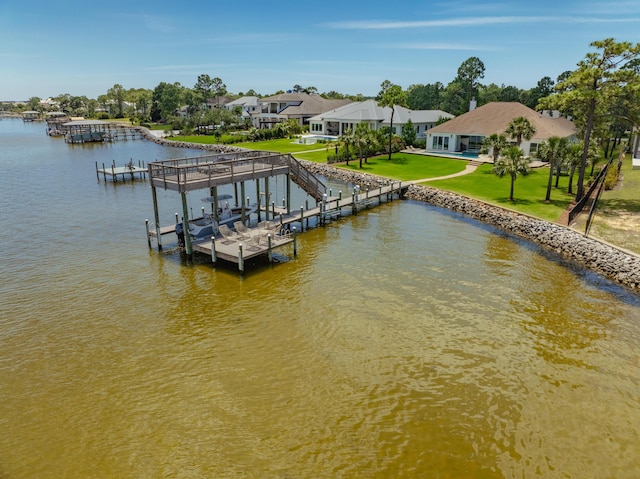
[(403, 342)]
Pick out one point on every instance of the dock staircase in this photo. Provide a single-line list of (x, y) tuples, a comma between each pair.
[(306, 180)]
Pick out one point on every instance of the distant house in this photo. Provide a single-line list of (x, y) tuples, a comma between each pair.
[(338, 121), (466, 132), (248, 104), (298, 106)]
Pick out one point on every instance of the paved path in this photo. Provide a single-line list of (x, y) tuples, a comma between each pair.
[(468, 169)]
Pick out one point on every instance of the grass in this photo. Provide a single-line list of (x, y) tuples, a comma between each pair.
[(626, 197), (529, 191), (482, 184), (407, 167), (617, 217), (282, 145)]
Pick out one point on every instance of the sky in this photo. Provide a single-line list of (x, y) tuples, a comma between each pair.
[(52, 47)]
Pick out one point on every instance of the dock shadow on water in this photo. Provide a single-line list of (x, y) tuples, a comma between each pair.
[(401, 342)]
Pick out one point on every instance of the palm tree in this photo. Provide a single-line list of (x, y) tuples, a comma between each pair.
[(363, 138), (347, 138), (513, 163), (520, 128), (554, 151), (391, 95), (495, 143)]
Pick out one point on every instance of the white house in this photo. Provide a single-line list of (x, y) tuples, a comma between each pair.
[(286, 106), (338, 121), (465, 133), (248, 104)]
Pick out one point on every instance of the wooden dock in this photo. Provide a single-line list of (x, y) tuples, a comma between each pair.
[(129, 170), (235, 168), (285, 226)]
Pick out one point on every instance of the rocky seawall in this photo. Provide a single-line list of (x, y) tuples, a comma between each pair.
[(183, 144), (607, 260)]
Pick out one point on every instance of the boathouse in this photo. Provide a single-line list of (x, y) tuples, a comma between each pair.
[(213, 171)]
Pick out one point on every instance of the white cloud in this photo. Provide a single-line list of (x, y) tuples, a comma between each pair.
[(440, 46), (452, 22)]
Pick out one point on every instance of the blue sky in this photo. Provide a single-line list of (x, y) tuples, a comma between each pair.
[(85, 47)]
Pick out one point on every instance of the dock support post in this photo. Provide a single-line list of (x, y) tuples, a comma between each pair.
[(235, 192), (339, 200), (214, 259), (214, 205), (288, 194), (269, 249), (273, 210), (306, 208), (146, 225), (240, 259), (259, 201), (97, 172), (295, 242), (156, 217), (266, 198), (104, 173), (113, 172), (323, 209), (242, 215), (302, 218), (185, 224)]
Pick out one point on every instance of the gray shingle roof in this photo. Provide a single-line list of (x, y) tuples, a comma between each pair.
[(370, 111)]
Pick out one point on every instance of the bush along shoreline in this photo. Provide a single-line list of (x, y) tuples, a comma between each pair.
[(615, 264)]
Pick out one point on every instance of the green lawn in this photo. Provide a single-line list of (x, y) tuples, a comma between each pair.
[(283, 145), (529, 191), (407, 167), (482, 184), (317, 156), (626, 198)]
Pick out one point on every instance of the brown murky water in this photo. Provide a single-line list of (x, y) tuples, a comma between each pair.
[(404, 342)]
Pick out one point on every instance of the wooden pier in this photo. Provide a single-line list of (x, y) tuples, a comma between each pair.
[(211, 171), (92, 131), (127, 171)]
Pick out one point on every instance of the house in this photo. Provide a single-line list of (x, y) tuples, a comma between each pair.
[(286, 106), (465, 133), (248, 104), (336, 122)]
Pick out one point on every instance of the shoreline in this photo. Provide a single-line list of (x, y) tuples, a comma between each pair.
[(616, 264), (620, 266)]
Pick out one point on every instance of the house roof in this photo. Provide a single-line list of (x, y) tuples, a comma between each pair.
[(495, 116), (243, 101), (370, 111), (303, 104)]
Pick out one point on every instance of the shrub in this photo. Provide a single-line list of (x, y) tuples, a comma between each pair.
[(611, 180)]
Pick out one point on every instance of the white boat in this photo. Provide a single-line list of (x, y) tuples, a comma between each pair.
[(207, 225)]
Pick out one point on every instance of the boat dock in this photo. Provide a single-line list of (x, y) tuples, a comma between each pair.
[(127, 171), (211, 171), (92, 131)]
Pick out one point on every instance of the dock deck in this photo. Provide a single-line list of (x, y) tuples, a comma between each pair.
[(129, 170)]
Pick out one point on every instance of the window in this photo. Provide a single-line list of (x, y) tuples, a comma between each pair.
[(440, 143), (533, 149)]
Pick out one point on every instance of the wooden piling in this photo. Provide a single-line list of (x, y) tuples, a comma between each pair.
[(146, 225)]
